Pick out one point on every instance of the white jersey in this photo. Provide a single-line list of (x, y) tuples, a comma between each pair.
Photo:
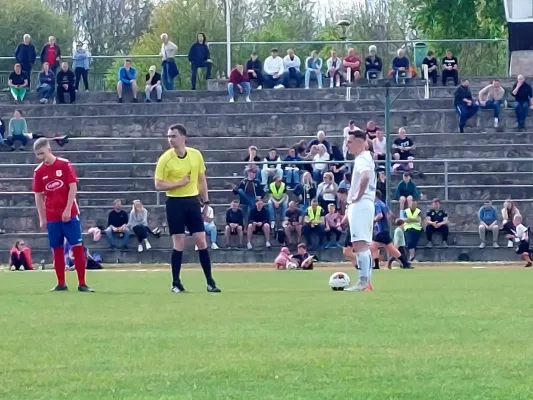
[(363, 162)]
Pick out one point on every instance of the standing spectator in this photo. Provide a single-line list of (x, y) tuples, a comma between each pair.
[(238, 80), (18, 84), (334, 66), (20, 257), (254, 68), (26, 55), (168, 61), (433, 68), (403, 148), (47, 84), (117, 225), (291, 66), (66, 83), (80, 64), (200, 57), (209, 224), (138, 222), (292, 223), (153, 82), (259, 223), (313, 69), (488, 220), (18, 130), (437, 221), (314, 221), (320, 139), (234, 223), (373, 64), (351, 66), (400, 66), (273, 70), (509, 211), (326, 192), (379, 145), (279, 200), (306, 191), (249, 190), (320, 166), (127, 80), (406, 191), (464, 104), (413, 228), (51, 53), (450, 68), (292, 171), (491, 98), (271, 167), (333, 226), (381, 184), (523, 96)]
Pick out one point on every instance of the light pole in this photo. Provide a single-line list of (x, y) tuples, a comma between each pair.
[(228, 38)]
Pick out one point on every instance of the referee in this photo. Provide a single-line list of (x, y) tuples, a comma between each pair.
[(180, 172)]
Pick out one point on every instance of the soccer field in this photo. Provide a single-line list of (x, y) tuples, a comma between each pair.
[(426, 334)]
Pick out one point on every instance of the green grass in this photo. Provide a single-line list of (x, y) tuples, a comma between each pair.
[(422, 335)]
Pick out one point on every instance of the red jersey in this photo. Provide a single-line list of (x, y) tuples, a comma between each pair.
[(53, 181), (353, 59)]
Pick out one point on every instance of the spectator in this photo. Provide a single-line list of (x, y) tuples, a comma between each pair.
[(342, 195), (464, 104), (239, 80), (25, 55), (291, 66), (403, 148), (18, 131), (373, 64), (253, 158), (18, 84), (273, 70), (399, 241), (200, 57), (2, 131), (20, 257), (301, 148), (138, 222), (249, 190), (313, 69), (371, 131), (488, 220), (491, 98), (333, 226), (521, 236), (303, 258), (66, 83), (259, 223), (153, 82), (80, 64), (320, 166), (292, 223), (433, 69), (334, 66), (209, 224), (509, 211), (314, 222), (406, 191), (117, 225), (379, 145), (271, 167), (381, 184), (254, 67), (346, 182), (320, 139), (168, 61), (234, 224), (437, 221), (413, 228), (283, 260), (306, 191), (523, 96), (351, 71), (400, 66), (326, 192), (279, 199), (340, 168), (51, 53), (127, 80), (292, 171), (47, 84), (450, 68)]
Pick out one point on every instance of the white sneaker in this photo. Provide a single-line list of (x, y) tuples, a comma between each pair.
[(249, 246), (232, 100), (214, 246), (12, 268), (496, 245), (248, 100), (482, 245), (147, 244), (260, 87), (320, 87), (338, 84), (510, 244), (280, 86), (358, 287), (273, 225), (331, 85), (268, 245), (195, 248), (22, 268), (307, 87), (496, 122), (140, 248)]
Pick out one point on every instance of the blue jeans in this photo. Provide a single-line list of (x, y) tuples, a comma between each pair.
[(312, 74), (521, 109), (46, 91), (111, 237), (194, 72), (317, 175), (11, 139), (168, 82), (272, 210), (246, 89), (269, 81), (465, 113), (211, 230), (493, 105), (292, 176), (246, 201), (292, 73)]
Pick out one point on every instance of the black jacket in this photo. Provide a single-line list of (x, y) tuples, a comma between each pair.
[(524, 93), (199, 53), (256, 65), (258, 188), (460, 94), (25, 54), (373, 65), (66, 78), (44, 53)]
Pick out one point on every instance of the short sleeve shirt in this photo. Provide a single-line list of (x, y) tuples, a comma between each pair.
[(17, 79), (172, 168), (436, 216)]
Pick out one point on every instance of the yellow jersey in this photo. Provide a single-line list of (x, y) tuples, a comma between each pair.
[(172, 168)]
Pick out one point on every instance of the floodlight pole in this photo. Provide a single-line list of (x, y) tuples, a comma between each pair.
[(228, 38)]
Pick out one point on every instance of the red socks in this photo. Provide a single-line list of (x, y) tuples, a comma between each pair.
[(59, 264), (80, 263)]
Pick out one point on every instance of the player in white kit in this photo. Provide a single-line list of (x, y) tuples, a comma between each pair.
[(361, 208)]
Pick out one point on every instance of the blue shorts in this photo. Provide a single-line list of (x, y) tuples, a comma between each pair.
[(126, 87), (59, 231)]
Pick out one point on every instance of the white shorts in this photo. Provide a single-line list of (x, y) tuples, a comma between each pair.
[(361, 220)]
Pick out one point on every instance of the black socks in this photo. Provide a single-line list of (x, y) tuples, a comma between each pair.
[(205, 262), (176, 267)]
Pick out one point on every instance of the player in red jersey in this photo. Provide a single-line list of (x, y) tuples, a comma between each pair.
[(55, 188)]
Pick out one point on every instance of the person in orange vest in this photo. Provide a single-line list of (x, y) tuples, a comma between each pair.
[(20, 257)]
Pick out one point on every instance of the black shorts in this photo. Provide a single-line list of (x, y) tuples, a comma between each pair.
[(523, 247), (404, 155), (383, 238), (348, 240), (184, 212)]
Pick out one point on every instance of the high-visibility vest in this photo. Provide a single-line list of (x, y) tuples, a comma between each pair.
[(314, 216), (413, 214), (277, 192)]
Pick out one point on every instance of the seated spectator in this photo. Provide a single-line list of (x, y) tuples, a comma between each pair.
[(413, 228), (292, 223), (342, 195), (313, 69), (450, 68), (338, 169), (258, 222), (18, 84), (20, 257), (292, 171), (326, 192), (333, 226), (51, 53), (138, 222), (18, 131), (371, 130), (488, 220), (254, 68), (402, 149), (47, 84), (373, 64), (464, 104), (234, 224), (25, 55), (509, 211), (334, 66), (351, 127), (80, 64), (303, 258), (127, 81), (291, 67), (279, 200), (209, 224), (253, 158), (521, 236), (320, 139), (249, 190), (66, 83), (153, 82), (381, 183), (319, 166), (400, 66), (379, 146), (238, 80), (523, 96), (273, 69), (406, 191), (2, 131), (314, 222), (117, 225), (346, 182), (351, 66), (491, 98), (271, 167), (306, 191), (433, 69), (301, 148), (437, 221), (200, 57)]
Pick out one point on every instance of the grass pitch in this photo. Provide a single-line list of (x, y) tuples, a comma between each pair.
[(422, 335)]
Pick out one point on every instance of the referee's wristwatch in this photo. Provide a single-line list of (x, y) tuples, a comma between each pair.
[(206, 203)]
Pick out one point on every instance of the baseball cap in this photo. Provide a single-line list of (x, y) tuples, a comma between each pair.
[(152, 68)]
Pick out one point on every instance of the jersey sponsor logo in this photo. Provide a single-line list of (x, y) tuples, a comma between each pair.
[(54, 185)]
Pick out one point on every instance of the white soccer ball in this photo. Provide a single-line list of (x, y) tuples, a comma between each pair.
[(339, 281), (291, 265)]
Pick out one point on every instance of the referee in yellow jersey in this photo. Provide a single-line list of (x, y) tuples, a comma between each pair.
[(180, 172)]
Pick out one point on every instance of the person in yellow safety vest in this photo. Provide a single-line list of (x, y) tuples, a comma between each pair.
[(413, 228), (314, 221), (279, 200)]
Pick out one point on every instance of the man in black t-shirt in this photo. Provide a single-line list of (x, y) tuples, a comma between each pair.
[(433, 69), (153, 82), (437, 221), (234, 223), (117, 225), (66, 83), (292, 223), (402, 149), (18, 83), (259, 221), (450, 68), (303, 258)]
